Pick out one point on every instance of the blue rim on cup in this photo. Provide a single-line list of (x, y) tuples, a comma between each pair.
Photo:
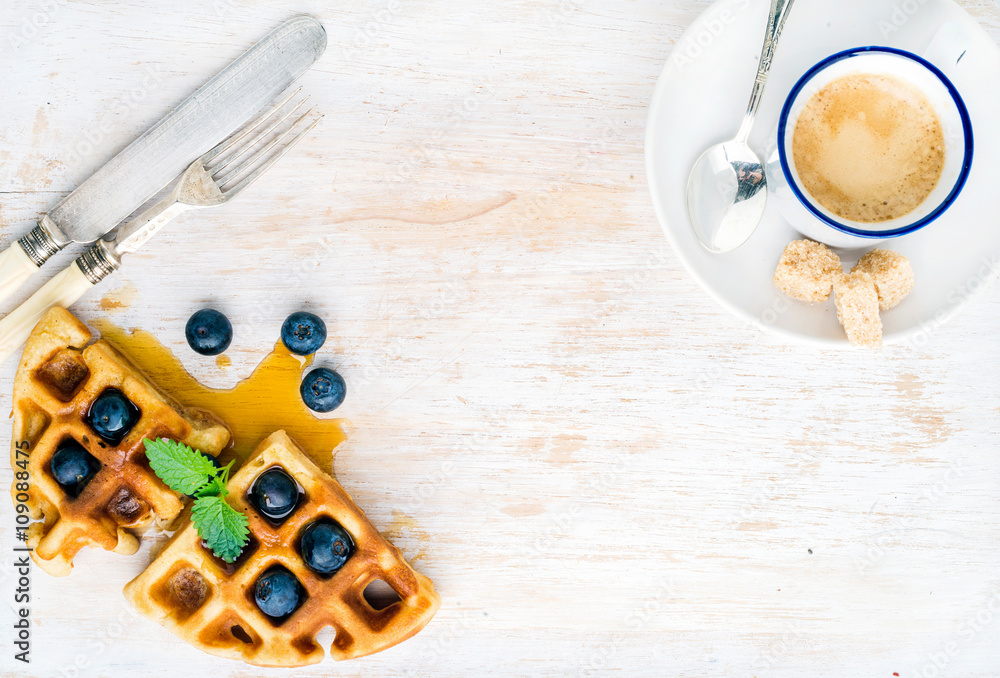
[(963, 174)]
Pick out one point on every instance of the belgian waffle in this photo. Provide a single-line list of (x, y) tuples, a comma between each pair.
[(57, 381), (211, 604)]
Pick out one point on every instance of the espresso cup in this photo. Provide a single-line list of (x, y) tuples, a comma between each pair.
[(805, 212)]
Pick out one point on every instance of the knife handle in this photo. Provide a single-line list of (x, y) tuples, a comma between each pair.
[(62, 290), (15, 269)]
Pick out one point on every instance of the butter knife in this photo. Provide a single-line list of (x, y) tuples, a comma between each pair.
[(142, 169)]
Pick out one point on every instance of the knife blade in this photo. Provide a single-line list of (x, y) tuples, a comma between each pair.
[(142, 169)]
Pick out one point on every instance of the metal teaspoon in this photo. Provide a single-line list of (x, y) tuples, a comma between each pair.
[(727, 189)]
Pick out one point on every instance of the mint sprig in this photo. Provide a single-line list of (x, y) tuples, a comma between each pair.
[(224, 529)]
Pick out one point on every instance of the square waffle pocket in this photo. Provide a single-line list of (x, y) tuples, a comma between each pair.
[(56, 384), (211, 604)]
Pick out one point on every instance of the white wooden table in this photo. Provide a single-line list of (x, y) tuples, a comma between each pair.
[(601, 470)]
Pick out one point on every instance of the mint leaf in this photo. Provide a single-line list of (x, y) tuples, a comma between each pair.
[(216, 487), (180, 467), (223, 528)]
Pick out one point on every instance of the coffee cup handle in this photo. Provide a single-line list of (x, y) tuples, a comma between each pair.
[(947, 49)]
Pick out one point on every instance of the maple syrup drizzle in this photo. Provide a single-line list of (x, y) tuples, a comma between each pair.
[(266, 401)]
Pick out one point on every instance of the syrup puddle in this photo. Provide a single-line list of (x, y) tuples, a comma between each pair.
[(266, 401)]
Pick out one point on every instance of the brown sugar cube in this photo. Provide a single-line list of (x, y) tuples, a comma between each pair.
[(807, 270), (857, 309), (892, 273)]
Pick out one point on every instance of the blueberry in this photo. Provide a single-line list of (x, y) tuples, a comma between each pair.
[(278, 593), (274, 494), (209, 332), (323, 390), (303, 333), (112, 416), (73, 467), (325, 546)]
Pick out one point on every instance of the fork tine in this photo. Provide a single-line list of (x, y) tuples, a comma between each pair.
[(258, 135), (250, 178), (258, 153), (237, 136)]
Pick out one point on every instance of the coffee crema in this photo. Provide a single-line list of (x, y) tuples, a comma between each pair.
[(869, 148)]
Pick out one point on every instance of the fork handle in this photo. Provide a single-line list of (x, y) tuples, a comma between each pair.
[(63, 290), (15, 269)]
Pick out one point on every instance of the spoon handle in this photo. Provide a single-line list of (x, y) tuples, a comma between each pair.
[(775, 22)]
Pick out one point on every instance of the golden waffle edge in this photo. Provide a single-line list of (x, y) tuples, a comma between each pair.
[(210, 604), (57, 380)]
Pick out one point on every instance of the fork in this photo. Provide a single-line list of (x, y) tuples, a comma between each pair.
[(213, 179)]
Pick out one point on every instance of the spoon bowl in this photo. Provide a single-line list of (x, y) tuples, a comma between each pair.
[(726, 195)]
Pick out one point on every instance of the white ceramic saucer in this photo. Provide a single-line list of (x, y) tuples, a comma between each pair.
[(700, 99)]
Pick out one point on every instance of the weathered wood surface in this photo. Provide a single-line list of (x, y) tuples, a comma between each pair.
[(601, 470)]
